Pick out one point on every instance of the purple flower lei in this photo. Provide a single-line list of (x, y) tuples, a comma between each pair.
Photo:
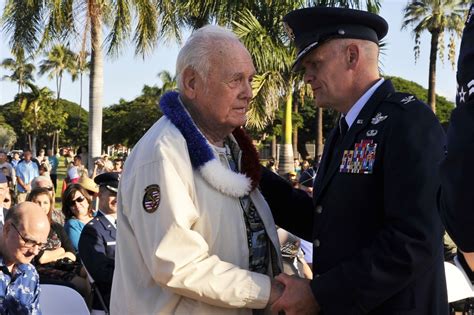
[(199, 150)]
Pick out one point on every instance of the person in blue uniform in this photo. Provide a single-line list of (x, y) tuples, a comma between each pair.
[(373, 220), (457, 171), (97, 242)]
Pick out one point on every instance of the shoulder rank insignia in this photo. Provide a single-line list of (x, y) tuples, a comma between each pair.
[(378, 118), (360, 160), (151, 198), (408, 99)]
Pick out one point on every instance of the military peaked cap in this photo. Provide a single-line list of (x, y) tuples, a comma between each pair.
[(310, 27)]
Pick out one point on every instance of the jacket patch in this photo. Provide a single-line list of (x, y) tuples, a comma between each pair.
[(151, 198)]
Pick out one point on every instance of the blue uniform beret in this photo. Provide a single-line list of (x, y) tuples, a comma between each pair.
[(110, 180), (310, 27)]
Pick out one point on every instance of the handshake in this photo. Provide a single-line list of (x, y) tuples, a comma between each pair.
[(292, 295)]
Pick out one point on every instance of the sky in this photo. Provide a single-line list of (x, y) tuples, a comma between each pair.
[(125, 76)]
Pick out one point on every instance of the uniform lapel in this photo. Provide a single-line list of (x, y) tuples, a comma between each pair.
[(108, 227), (363, 119)]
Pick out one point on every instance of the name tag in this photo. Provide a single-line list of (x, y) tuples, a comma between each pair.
[(111, 243)]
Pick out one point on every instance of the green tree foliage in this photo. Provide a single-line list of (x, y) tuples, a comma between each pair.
[(125, 123), (21, 70), (7, 135), (436, 17), (63, 116), (444, 107)]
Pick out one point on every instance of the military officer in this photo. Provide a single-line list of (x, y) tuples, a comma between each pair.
[(373, 218), (457, 199), (97, 242)]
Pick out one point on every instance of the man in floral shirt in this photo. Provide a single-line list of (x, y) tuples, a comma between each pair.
[(24, 234)]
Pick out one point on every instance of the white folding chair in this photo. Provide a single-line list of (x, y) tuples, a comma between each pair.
[(60, 300), (458, 284)]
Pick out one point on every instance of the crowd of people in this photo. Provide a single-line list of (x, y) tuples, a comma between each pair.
[(196, 224), (80, 239)]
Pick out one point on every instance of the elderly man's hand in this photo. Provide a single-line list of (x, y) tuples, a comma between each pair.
[(297, 298)]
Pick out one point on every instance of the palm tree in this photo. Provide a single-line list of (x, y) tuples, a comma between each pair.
[(79, 68), (58, 60), (436, 17), (21, 70), (31, 104), (168, 81)]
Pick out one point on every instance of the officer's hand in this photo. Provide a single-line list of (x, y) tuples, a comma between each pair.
[(297, 298), (276, 291)]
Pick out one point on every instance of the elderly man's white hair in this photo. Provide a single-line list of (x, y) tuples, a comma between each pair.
[(198, 48), (35, 182)]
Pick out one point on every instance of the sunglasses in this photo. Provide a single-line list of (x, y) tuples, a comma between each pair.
[(77, 200), (29, 243)]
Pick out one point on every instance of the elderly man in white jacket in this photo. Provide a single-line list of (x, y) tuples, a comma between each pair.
[(195, 236)]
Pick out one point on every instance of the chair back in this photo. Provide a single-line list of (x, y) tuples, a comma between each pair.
[(60, 300)]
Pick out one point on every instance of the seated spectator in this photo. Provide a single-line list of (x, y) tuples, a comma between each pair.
[(91, 187), (77, 210), (56, 262), (292, 178), (3, 191), (118, 163), (9, 200), (24, 235), (97, 243), (307, 177), (45, 182)]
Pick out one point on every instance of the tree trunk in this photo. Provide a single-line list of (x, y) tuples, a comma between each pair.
[(432, 70), (96, 87), (274, 147), (57, 140), (33, 145), (52, 141), (286, 161), (319, 133), (295, 133)]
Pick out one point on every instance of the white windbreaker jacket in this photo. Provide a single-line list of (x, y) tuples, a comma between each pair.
[(190, 255)]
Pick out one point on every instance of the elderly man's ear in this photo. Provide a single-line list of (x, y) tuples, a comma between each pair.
[(190, 78)]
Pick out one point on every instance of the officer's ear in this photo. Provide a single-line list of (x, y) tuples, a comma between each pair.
[(352, 54)]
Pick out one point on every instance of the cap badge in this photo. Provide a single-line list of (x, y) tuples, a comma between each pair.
[(288, 31), (151, 198), (341, 32), (378, 118)]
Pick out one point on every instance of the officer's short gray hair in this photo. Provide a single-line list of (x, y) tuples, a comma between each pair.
[(198, 48)]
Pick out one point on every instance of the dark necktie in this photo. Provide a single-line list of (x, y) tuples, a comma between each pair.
[(343, 126)]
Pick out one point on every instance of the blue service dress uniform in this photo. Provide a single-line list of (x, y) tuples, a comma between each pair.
[(97, 252), (457, 170), (373, 220)]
